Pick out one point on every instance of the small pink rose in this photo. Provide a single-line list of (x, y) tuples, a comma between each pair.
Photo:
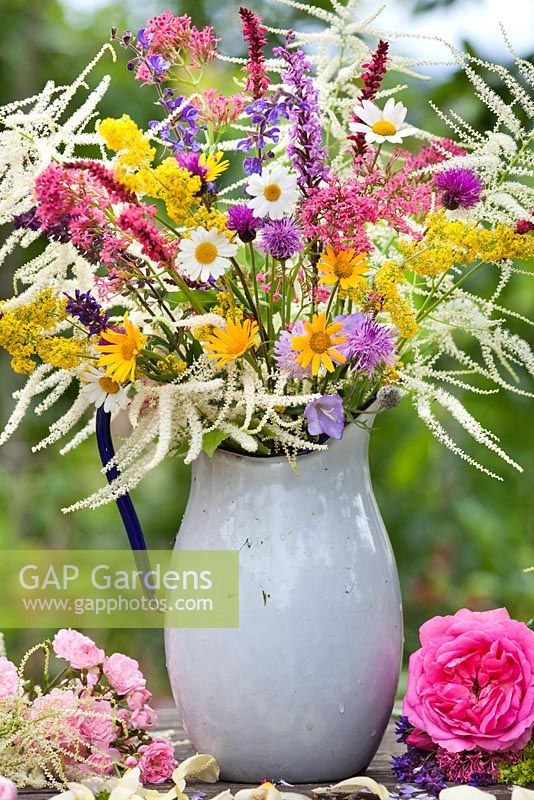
[(138, 698), (421, 740), (10, 685), (130, 762), (143, 718), (8, 790), (123, 673), (79, 650), (157, 761), (471, 684)]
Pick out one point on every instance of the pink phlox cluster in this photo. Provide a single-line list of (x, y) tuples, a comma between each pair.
[(337, 212), (216, 109), (178, 41), (463, 767)]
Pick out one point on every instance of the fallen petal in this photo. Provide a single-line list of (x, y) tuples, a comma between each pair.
[(521, 793), (202, 767), (354, 785), (464, 792)]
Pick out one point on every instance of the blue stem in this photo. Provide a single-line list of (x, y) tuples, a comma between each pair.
[(124, 504)]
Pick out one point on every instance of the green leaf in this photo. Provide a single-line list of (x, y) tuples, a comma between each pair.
[(212, 440), (207, 298)]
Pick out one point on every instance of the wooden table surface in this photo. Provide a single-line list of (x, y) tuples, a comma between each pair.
[(170, 725)]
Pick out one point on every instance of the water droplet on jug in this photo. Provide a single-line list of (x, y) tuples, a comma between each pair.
[(282, 537), (341, 708)]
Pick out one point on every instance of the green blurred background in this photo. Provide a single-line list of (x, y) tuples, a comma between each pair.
[(460, 538)]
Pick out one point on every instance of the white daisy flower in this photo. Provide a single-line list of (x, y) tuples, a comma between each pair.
[(380, 126), (102, 390), (274, 192), (206, 254)]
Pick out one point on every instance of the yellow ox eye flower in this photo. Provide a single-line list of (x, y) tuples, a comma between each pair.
[(232, 342), (345, 266), (318, 345), (121, 349), (214, 165)]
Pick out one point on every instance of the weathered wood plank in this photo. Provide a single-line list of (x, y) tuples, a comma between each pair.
[(379, 768)]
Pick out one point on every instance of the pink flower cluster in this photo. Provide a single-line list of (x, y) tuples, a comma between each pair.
[(103, 706), (73, 199), (216, 109), (254, 35), (337, 212), (471, 684), (10, 685), (176, 39)]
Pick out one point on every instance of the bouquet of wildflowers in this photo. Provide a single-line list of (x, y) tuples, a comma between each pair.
[(264, 311), (469, 709), (91, 718)]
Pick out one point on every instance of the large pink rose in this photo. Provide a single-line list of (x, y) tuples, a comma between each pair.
[(157, 761), (123, 673), (9, 679), (471, 685), (79, 650), (98, 723)]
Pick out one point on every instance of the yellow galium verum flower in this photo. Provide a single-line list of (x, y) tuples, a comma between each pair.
[(233, 342), (319, 343), (121, 349), (387, 279), (27, 333), (168, 181), (346, 267), (208, 218), (174, 185), (447, 242), (135, 151)]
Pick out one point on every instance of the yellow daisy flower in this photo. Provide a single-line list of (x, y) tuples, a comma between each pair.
[(121, 349), (232, 342), (214, 165), (318, 345), (345, 266)]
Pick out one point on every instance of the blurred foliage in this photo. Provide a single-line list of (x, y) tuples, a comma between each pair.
[(460, 538)]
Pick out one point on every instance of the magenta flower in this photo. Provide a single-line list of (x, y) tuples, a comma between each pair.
[(281, 238), (325, 415), (368, 343), (471, 684), (460, 188), (254, 35), (241, 219), (285, 357)]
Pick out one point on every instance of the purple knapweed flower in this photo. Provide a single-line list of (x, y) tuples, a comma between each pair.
[(280, 238), (460, 188), (368, 343), (285, 357), (241, 219)]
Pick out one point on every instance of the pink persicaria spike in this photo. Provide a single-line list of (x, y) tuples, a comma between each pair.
[(254, 34)]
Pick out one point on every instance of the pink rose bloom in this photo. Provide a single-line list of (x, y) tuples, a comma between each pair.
[(9, 679), (123, 673), (138, 698), (79, 650), (157, 761), (471, 684), (98, 731), (8, 790), (421, 740), (143, 718)]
